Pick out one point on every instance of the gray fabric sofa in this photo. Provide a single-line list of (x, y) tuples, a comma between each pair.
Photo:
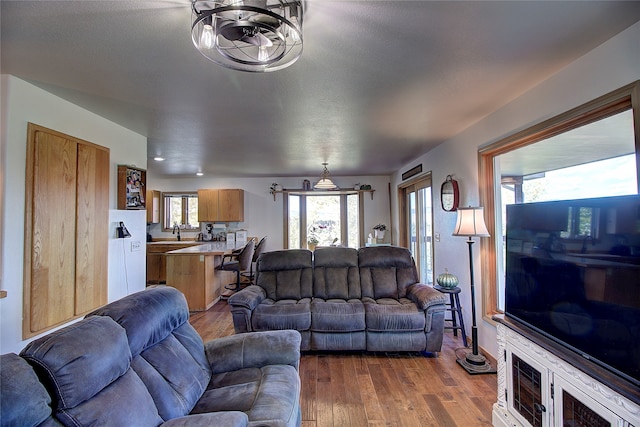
[(343, 299), (139, 362)]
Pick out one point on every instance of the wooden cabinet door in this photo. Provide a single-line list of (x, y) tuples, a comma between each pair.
[(92, 227), (66, 229), (50, 241), (208, 205), (153, 206), (231, 205), (154, 260)]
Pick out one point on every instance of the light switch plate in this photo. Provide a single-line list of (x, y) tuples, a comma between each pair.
[(136, 246)]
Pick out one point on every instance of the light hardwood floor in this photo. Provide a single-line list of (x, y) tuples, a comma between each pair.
[(382, 389)]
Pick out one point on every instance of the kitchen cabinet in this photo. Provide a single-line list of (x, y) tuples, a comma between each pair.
[(153, 206), (156, 259), (225, 205), (66, 229)]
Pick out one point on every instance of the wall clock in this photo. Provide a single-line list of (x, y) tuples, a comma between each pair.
[(449, 194)]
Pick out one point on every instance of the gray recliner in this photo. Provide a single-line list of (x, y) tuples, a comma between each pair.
[(139, 362)]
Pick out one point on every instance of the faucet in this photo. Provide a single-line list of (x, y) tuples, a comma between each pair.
[(584, 244), (176, 228)]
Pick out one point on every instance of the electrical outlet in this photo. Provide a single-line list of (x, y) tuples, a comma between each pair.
[(136, 246), (437, 237)]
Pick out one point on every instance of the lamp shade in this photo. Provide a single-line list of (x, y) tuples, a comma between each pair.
[(470, 222), (325, 182)]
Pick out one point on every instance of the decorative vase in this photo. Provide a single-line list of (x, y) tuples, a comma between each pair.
[(447, 280), (379, 234)]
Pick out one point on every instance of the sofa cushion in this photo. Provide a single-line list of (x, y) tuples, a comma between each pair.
[(24, 401), (264, 394), (173, 378), (393, 315), (286, 274), (168, 353), (335, 273), (386, 271), (283, 314), (123, 402), (148, 316), (337, 315), (77, 364), (86, 367)]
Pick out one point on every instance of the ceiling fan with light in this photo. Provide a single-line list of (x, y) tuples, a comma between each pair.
[(248, 35)]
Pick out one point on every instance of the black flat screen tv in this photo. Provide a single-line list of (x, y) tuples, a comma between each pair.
[(572, 273)]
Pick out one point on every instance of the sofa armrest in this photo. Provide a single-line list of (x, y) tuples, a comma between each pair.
[(223, 418), (425, 296), (248, 298), (254, 350)]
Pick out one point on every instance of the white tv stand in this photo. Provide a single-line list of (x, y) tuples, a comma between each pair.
[(542, 384)]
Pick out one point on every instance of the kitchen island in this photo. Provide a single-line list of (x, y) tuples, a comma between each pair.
[(192, 270)]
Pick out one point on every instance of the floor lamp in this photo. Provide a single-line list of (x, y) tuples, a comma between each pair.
[(470, 223)]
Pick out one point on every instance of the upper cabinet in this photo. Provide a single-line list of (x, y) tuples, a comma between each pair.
[(221, 205), (153, 206)]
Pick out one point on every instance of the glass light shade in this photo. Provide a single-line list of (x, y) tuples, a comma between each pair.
[(325, 184), (470, 222), (207, 37)]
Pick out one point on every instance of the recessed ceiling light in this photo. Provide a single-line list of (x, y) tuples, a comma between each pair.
[(158, 159), (199, 173)]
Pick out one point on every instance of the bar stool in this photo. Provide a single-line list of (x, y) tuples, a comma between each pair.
[(455, 309)]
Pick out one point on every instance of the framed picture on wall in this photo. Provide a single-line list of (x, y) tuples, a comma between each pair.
[(132, 183)]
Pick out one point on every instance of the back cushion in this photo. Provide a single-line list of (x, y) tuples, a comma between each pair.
[(23, 399), (286, 274), (168, 353), (85, 366), (335, 273), (386, 271)]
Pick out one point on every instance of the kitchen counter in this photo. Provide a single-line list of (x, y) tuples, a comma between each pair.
[(192, 270), (209, 248)]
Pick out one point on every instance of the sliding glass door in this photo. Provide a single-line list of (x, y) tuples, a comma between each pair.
[(419, 226)]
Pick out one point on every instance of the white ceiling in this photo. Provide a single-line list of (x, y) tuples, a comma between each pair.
[(378, 84)]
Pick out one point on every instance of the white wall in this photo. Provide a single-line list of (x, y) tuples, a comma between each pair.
[(263, 216), (23, 103), (127, 257), (610, 66)]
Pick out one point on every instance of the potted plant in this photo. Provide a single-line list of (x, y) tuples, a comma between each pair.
[(312, 242), (312, 237), (379, 231), (275, 187)]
